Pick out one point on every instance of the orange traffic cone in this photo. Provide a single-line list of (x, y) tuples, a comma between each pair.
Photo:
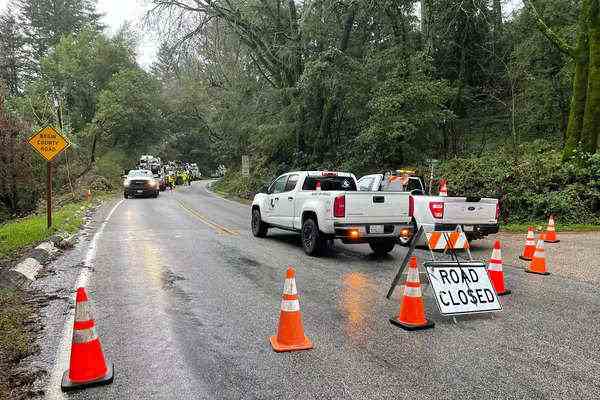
[(443, 188), (550, 236), (529, 245), (88, 367), (290, 332), (538, 264), (88, 195), (495, 270), (411, 316)]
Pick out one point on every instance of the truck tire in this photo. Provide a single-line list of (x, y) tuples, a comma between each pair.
[(259, 228), (381, 248), (313, 242)]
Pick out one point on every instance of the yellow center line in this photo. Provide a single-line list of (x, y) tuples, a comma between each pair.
[(219, 228)]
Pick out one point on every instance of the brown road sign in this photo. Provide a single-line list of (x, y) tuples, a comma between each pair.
[(49, 143)]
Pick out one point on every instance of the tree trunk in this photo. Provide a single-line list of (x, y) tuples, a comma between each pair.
[(426, 24), (591, 119), (577, 110), (331, 104), (580, 83)]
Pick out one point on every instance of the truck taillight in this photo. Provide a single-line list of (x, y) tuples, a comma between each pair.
[(497, 211), (411, 206), (437, 209), (339, 206)]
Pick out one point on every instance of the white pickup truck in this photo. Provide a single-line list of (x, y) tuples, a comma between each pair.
[(323, 205), (478, 217)]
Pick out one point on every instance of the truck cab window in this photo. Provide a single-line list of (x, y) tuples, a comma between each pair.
[(365, 184), (279, 185), (291, 183)]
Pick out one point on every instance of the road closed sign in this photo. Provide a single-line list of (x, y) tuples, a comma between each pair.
[(462, 289)]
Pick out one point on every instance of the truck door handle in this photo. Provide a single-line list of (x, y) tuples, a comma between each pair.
[(290, 198), (378, 199)]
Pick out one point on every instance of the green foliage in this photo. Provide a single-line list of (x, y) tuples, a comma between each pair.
[(24, 232), (129, 110), (531, 182), (112, 164), (405, 113)]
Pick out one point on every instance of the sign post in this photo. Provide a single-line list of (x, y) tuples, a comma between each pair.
[(49, 143), (245, 166)]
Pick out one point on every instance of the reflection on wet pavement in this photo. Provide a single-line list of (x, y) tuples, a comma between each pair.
[(357, 299)]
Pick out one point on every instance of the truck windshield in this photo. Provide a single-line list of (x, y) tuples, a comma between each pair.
[(330, 183)]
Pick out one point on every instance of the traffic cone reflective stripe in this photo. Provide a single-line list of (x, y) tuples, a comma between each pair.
[(443, 188), (290, 332), (550, 235), (538, 263), (412, 310), (529, 245), (495, 272), (87, 366)]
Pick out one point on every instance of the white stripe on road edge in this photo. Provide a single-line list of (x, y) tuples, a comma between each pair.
[(61, 364)]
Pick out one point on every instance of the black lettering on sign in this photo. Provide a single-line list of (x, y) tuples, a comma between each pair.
[(464, 276), (463, 297), (444, 276), (474, 276), (480, 295), (489, 295), (443, 292), (472, 296), (454, 303), (454, 276)]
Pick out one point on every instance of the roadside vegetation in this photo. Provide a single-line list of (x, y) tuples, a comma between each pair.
[(25, 232), (15, 341)]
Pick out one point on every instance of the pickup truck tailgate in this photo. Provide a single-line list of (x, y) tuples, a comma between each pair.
[(377, 207), (459, 210)]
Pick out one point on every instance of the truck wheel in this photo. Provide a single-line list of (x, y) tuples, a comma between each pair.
[(312, 240), (381, 248), (259, 228), (125, 195)]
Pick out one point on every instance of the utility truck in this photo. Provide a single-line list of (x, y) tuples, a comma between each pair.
[(324, 205), (478, 217)]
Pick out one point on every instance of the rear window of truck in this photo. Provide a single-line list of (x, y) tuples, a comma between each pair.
[(341, 183)]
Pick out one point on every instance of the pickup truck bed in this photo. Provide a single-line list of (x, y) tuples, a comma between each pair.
[(478, 217)]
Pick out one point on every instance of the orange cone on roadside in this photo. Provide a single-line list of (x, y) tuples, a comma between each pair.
[(87, 367), (411, 316), (550, 235), (538, 263), (290, 332), (495, 270), (529, 246), (443, 188)]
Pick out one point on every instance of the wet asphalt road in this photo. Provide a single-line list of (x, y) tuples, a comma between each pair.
[(185, 299)]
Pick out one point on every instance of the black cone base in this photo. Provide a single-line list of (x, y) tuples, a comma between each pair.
[(428, 325), (537, 273), (67, 385)]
